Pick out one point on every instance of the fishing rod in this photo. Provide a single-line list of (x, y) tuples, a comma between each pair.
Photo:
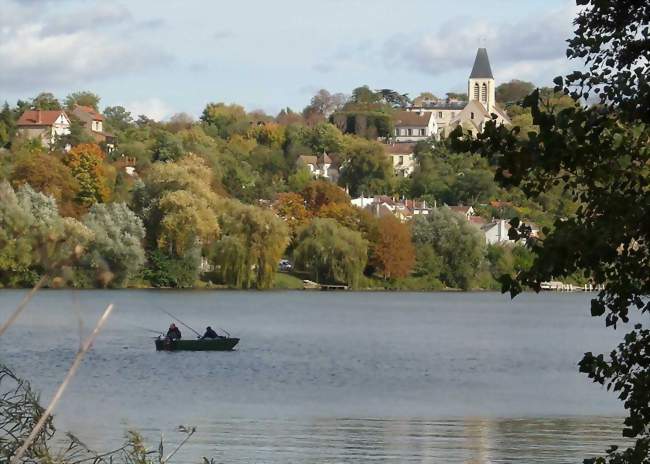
[(180, 322)]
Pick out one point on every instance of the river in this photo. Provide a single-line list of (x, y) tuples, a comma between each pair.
[(325, 377)]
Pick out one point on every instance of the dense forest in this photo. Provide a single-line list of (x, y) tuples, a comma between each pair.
[(221, 200)]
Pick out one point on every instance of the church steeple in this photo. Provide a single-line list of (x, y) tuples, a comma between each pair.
[(481, 81)]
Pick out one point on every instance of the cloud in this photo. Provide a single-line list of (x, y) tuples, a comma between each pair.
[(40, 48), (153, 108), (222, 34), (532, 45)]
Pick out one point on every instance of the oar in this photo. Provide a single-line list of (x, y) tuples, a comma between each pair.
[(180, 322)]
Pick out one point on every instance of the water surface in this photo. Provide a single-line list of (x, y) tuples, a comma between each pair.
[(329, 377)]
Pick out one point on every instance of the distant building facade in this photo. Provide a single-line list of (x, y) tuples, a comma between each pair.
[(402, 156), (413, 126), (320, 166), (93, 123)]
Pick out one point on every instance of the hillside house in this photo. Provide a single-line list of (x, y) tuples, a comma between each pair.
[(320, 166), (44, 125), (93, 123), (402, 156)]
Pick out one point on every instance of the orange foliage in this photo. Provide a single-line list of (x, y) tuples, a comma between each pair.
[(394, 254), (86, 162), (319, 193), (291, 208)]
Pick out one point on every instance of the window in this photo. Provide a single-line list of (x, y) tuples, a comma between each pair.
[(472, 115), (423, 132), (440, 114), (409, 131), (484, 93), (476, 91), (453, 114)]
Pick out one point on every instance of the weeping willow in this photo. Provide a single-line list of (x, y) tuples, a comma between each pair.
[(251, 245), (331, 253)]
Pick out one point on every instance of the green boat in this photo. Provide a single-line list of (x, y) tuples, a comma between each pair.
[(212, 344)]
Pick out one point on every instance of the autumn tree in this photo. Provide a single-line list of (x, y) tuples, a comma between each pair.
[(319, 193), (291, 208), (330, 253), (46, 173), (394, 254), (86, 163)]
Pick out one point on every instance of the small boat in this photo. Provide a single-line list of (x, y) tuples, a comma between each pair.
[(211, 344)]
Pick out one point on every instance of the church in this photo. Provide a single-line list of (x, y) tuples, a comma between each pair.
[(472, 114)]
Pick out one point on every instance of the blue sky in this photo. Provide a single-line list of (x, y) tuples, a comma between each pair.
[(160, 57)]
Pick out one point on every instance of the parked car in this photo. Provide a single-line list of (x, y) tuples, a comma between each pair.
[(285, 265)]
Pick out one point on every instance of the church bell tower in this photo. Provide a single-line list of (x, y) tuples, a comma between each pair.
[(481, 81)]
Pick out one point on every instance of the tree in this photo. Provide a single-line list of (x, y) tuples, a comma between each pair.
[(7, 125), (252, 243), (34, 239), (116, 253), (45, 101), (460, 245), (330, 253), (319, 193), (291, 208), (322, 138), (167, 147), (323, 104), (86, 162), (226, 119), (82, 98), (117, 118), (457, 96), (513, 91), (394, 98), (394, 252), (366, 168), (47, 174), (600, 154)]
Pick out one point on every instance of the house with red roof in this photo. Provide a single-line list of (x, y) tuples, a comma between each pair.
[(44, 125), (93, 123)]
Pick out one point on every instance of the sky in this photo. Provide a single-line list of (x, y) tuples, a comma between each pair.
[(161, 57)]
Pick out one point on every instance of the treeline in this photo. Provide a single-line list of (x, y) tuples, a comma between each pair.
[(222, 199)]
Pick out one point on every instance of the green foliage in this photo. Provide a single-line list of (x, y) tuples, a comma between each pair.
[(366, 168), (166, 147), (45, 101), (600, 155), (117, 118), (165, 271), (225, 120), (253, 241), (116, 250), (330, 253), (513, 91), (459, 245), (82, 98)]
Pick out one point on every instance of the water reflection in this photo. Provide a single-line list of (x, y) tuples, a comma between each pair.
[(467, 441)]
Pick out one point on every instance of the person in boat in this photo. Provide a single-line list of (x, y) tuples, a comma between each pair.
[(209, 334), (174, 333)]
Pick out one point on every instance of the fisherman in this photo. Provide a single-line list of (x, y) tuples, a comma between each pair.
[(173, 333), (209, 333)]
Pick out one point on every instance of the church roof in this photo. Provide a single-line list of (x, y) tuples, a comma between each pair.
[(481, 69)]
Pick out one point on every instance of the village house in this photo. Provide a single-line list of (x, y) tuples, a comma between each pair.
[(93, 123), (320, 166), (412, 126), (473, 114), (44, 125), (403, 158), (383, 205)]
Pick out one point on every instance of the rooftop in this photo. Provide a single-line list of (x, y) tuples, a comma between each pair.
[(39, 117), (481, 69)]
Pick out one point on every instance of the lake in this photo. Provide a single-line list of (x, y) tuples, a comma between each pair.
[(325, 377)]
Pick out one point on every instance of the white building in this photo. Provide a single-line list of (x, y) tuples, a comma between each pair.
[(412, 126), (320, 166)]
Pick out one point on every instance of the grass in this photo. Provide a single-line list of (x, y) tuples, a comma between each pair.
[(285, 281)]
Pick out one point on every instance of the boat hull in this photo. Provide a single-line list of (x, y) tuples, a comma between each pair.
[(217, 344)]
